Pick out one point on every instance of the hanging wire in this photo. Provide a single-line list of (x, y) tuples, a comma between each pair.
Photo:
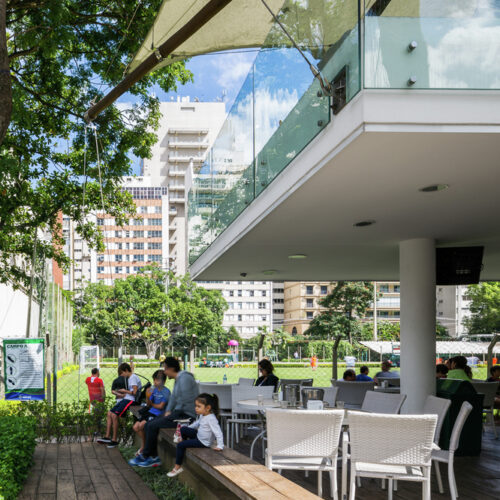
[(325, 85), (102, 199)]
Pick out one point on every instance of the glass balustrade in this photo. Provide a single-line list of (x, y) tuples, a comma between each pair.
[(280, 109)]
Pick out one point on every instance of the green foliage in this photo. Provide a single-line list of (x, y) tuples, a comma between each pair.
[(17, 444), (386, 330), (164, 487), (139, 307), (65, 422), (344, 307), (64, 54), (78, 339), (484, 308)]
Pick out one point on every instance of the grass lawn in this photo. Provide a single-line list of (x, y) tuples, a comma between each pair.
[(67, 386)]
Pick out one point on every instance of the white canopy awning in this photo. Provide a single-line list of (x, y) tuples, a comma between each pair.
[(442, 347)]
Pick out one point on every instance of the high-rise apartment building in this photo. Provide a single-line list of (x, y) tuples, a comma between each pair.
[(249, 304), (187, 131), (278, 305), (452, 308)]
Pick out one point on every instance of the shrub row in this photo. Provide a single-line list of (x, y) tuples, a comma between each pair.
[(17, 444), (67, 370)]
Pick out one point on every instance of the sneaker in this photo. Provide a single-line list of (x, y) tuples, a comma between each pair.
[(113, 444), (137, 460), (104, 440), (175, 472), (150, 462)]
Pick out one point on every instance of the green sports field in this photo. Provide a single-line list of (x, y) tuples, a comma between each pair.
[(67, 385)]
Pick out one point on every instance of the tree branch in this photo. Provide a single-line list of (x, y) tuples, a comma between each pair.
[(5, 79)]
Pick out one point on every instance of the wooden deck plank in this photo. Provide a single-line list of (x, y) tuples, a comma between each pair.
[(65, 485)]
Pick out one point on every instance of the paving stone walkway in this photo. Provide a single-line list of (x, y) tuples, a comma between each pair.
[(82, 471)]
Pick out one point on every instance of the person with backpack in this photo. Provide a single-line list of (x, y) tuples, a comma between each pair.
[(125, 397), (157, 398), (179, 407)]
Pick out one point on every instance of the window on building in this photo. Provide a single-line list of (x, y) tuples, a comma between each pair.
[(138, 234), (396, 288), (264, 293), (309, 303), (143, 210), (139, 258), (309, 290), (155, 245), (231, 293), (155, 258), (324, 289), (240, 293), (127, 234), (251, 293), (118, 270), (100, 258), (262, 305), (384, 288), (138, 246), (279, 301), (138, 222), (154, 234), (118, 258), (309, 315), (100, 221), (278, 311), (440, 313), (118, 234), (240, 317), (100, 269), (157, 209), (263, 318), (294, 330), (119, 246), (154, 222)]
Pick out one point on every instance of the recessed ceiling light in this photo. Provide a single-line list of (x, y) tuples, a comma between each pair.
[(269, 272), (364, 223), (433, 188), (298, 256)]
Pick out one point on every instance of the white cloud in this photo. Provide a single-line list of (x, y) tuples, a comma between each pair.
[(232, 68)]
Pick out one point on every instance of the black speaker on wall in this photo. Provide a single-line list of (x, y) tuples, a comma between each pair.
[(459, 265)]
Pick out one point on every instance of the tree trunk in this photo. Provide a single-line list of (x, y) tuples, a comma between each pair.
[(335, 357), (151, 348), (5, 81)]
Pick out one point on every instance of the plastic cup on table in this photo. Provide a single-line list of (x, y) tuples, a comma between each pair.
[(293, 401), (340, 404), (260, 399), (284, 404), (275, 397)]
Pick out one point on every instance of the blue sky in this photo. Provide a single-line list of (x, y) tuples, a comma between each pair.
[(213, 74)]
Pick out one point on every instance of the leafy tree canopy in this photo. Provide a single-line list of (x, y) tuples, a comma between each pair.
[(56, 57), (344, 306), (484, 308)]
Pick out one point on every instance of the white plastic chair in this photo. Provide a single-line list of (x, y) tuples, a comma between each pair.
[(393, 447), (439, 407), (223, 392), (352, 393), (382, 402), (447, 456), (330, 395), (391, 381), (246, 381), (489, 389), (309, 441), (241, 393), (305, 382)]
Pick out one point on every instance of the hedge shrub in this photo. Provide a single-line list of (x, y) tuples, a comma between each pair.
[(17, 444)]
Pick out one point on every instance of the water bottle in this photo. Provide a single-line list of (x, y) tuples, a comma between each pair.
[(224, 379)]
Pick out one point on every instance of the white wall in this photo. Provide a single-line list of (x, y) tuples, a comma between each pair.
[(14, 313)]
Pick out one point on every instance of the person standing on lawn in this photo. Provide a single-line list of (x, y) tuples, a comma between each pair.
[(180, 407)]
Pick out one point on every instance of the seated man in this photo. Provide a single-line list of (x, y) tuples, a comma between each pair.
[(386, 371), (350, 376), (363, 375), (180, 407)]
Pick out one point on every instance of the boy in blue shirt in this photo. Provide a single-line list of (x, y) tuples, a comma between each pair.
[(363, 375), (156, 401)]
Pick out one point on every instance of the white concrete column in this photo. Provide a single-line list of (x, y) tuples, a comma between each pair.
[(417, 274)]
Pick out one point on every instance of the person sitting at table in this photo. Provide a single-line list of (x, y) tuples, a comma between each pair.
[(441, 370), (386, 371), (267, 377), (458, 367), (350, 376), (363, 375), (495, 377)]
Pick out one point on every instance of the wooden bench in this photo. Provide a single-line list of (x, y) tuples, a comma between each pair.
[(227, 474)]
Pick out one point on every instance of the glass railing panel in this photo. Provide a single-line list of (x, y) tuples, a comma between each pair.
[(446, 44)]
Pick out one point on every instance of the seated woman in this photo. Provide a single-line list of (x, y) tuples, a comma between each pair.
[(266, 368), (459, 369)]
